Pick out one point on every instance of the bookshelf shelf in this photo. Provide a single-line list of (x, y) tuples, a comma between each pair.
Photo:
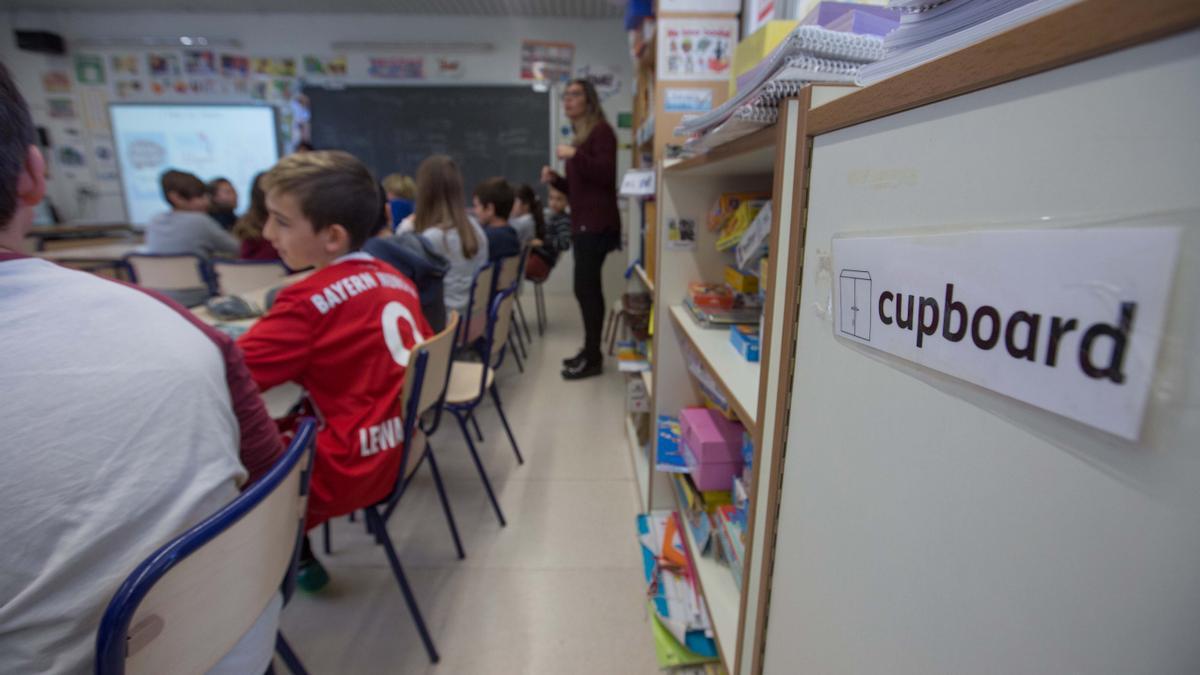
[(640, 463), (737, 376)]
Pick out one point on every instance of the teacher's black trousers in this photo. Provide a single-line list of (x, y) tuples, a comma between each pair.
[(590, 251)]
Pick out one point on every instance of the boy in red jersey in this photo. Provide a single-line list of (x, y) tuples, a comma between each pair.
[(345, 333)]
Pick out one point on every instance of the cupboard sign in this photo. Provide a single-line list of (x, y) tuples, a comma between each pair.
[(1068, 320)]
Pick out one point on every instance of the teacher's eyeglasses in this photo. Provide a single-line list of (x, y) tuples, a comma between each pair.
[(572, 94)]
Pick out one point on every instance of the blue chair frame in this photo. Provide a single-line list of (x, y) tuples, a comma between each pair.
[(376, 515), (377, 521), (114, 626), (466, 411)]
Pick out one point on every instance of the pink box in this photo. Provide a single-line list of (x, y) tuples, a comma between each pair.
[(711, 475), (711, 437)]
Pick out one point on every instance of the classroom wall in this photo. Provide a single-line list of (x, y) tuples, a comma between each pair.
[(95, 194)]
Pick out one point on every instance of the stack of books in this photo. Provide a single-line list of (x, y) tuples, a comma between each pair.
[(809, 54), (930, 29)]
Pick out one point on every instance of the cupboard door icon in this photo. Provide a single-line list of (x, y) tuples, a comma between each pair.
[(854, 298)]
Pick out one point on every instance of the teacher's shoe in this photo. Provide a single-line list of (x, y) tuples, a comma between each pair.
[(584, 368), (574, 361)]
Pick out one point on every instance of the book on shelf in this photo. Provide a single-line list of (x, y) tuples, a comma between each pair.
[(681, 626), (669, 456), (721, 318)]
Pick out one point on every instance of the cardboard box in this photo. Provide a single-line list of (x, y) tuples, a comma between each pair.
[(731, 233), (711, 437), (710, 475), (745, 340), (740, 281), (710, 296), (727, 204)]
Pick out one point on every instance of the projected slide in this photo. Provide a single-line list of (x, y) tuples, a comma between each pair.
[(234, 141)]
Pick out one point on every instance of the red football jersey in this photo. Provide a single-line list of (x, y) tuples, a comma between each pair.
[(345, 335)]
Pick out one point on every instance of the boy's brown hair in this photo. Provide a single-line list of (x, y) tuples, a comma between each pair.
[(19, 134), (497, 192), (182, 183), (331, 187)]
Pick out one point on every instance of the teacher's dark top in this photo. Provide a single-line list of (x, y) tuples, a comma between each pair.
[(591, 184)]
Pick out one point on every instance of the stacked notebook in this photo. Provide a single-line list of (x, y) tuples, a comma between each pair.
[(930, 29), (808, 54)]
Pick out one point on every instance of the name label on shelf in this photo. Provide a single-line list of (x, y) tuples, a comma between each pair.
[(1068, 320), (637, 183)]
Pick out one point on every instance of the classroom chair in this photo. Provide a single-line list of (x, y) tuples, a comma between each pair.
[(471, 380), (474, 321), (509, 278), (525, 253), (184, 277), (234, 277), (539, 303), (180, 610), (436, 352)]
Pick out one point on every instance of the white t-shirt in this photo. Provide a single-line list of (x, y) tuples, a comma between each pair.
[(118, 434), (456, 286)]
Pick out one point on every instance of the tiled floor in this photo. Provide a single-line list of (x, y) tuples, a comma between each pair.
[(559, 590)]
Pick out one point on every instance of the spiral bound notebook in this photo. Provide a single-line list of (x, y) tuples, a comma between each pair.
[(817, 42), (794, 73), (980, 28), (808, 54)]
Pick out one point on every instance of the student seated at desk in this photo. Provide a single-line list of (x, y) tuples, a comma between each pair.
[(493, 200), (344, 333), (222, 202), (526, 214), (125, 422), (401, 192), (249, 228), (441, 219), (416, 258), (187, 227)]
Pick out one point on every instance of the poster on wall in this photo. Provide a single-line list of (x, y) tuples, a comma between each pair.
[(163, 65), (95, 108), (89, 69), (758, 14), (103, 158), (324, 66), (129, 88), (696, 49), (604, 78), (199, 63), (397, 67), (61, 108), (274, 66), (687, 100), (56, 82), (233, 65), (446, 68), (124, 64), (547, 61)]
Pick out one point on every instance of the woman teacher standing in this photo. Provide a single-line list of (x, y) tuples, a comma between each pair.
[(591, 189)]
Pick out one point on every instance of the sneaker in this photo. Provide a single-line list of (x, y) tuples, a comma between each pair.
[(312, 577), (584, 369), (574, 361)]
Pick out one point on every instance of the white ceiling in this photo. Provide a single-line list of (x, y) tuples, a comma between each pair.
[(588, 9)]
